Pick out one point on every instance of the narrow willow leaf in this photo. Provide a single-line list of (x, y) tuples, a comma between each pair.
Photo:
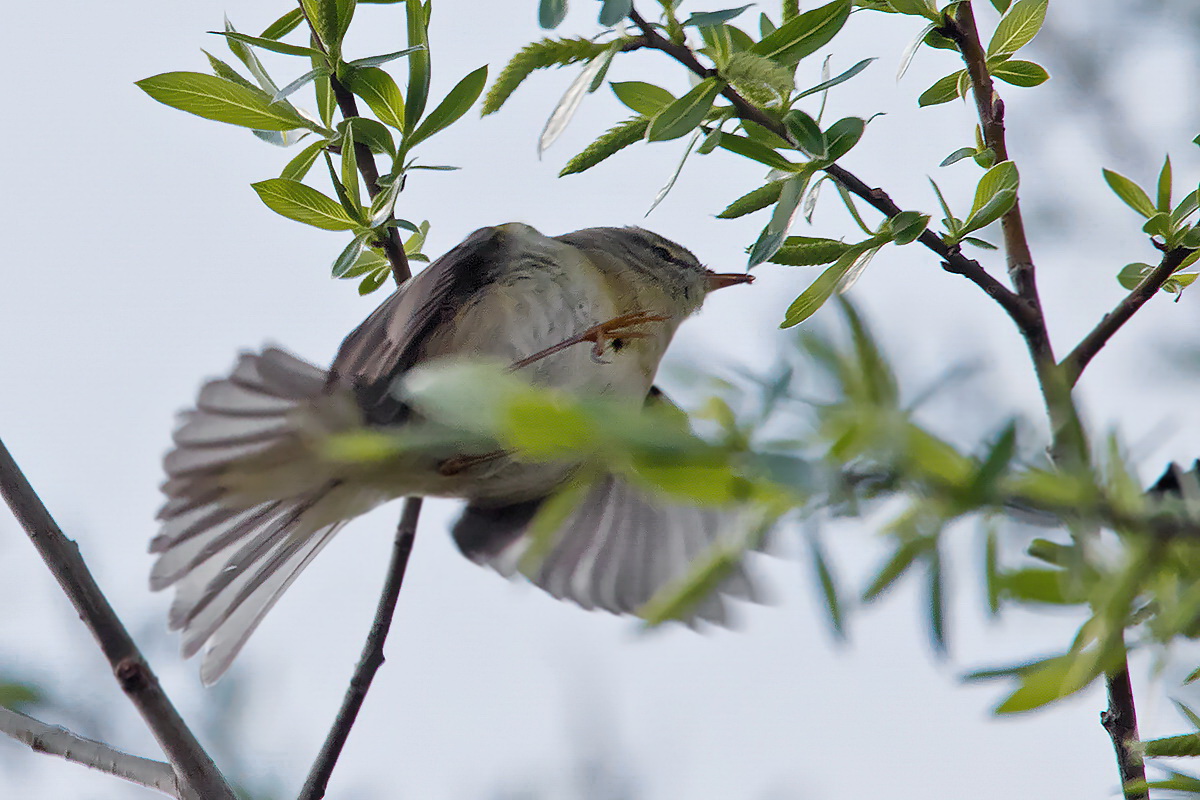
[(300, 82), (284, 25), (269, 44), (752, 201), (936, 598), (666, 189), (247, 56), (1164, 186), (349, 256), (218, 99), (535, 56), (370, 260), (1187, 744), (910, 51), (567, 105), (957, 155), (806, 132), (1001, 5), (384, 58), (418, 66), (1051, 680), (991, 571), (618, 137), (828, 584), (808, 251), (323, 19), (1020, 73), (706, 18), (223, 70), (943, 90), (1130, 193), (678, 598), (756, 152), (642, 98), (613, 11), (551, 13), (350, 169), (461, 97), (294, 200), (606, 59), (1131, 275), (299, 166), (758, 78), (907, 226), (374, 281), (845, 76), (916, 8), (683, 115), (805, 34), (899, 562), (1018, 27), (819, 290), (381, 94), (772, 236), (1187, 206)]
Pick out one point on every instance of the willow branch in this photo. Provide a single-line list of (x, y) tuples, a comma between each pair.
[(56, 741), (372, 655), (1091, 344), (137, 680), (952, 258), (1120, 721)]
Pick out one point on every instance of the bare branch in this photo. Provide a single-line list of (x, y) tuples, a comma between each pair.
[(134, 675), (372, 655), (56, 741), (1077, 360), (1120, 720)]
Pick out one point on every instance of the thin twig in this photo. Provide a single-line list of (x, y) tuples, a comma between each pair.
[(1091, 344), (1120, 720), (953, 259), (137, 680), (371, 658), (56, 741)]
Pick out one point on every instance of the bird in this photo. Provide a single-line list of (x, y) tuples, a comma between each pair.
[(251, 497)]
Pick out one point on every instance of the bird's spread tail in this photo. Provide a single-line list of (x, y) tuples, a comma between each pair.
[(248, 505), (615, 551)]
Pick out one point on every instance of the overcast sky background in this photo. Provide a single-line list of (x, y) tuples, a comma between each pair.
[(137, 262)]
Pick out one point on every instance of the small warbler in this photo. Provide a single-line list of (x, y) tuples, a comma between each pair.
[(251, 498)]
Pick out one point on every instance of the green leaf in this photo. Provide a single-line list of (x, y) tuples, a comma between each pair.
[(535, 56), (223, 70), (772, 236), (1020, 73), (809, 251), (935, 593), (1187, 744), (678, 598), (899, 562), (957, 155), (16, 695), (299, 83), (1017, 28), (284, 25), (269, 44), (845, 76), (461, 97), (620, 136), (943, 90), (1036, 585), (1164, 186), (643, 98), (613, 11), (370, 260), (299, 166), (991, 571), (820, 290), (684, 114), (994, 196), (381, 94), (323, 19), (418, 66), (1050, 680), (1001, 5), (907, 226), (1187, 206), (350, 168), (758, 78), (917, 8), (843, 135), (753, 201), (804, 35), (294, 200), (806, 132), (755, 151), (349, 256), (218, 99), (1131, 275), (707, 18), (551, 13), (384, 58), (828, 584), (374, 281), (1130, 193)]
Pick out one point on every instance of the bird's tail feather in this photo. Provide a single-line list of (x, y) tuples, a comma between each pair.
[(228, 550)]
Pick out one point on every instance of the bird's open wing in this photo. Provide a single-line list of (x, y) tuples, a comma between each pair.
[(390, 340)]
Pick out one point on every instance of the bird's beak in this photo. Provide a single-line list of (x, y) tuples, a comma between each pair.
[(719, 280)]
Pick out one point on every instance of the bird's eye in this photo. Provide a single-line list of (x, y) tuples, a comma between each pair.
[(662, 252)]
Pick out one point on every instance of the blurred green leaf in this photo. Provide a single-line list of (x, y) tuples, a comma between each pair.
[(828, 584), (18, 695), (551, 13), (901, 559)]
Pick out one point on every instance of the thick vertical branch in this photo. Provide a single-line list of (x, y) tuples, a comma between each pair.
[(1120, 720), (137, 680)]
